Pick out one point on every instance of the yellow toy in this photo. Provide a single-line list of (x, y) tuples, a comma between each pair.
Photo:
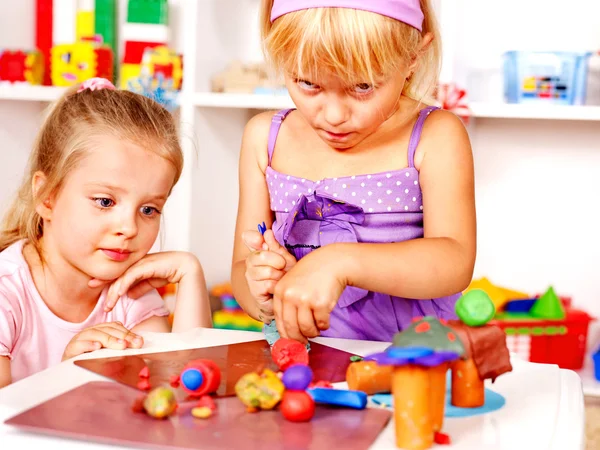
[(71, 64), (498, 294)]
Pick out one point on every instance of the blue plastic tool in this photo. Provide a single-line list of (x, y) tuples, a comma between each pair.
[(339, 397)]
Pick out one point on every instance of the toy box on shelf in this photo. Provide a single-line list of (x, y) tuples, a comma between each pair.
[(542, 328), (548, 77), (240, 78), (228, 314)]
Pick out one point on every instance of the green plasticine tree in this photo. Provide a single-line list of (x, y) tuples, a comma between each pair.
[(548, 306)]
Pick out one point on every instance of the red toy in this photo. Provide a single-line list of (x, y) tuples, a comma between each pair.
[(198, 378), (286, 352), (297, 406)]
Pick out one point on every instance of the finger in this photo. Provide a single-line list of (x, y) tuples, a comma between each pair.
[(277, 312), (266, 308), (110, 336), (133, 340), (264, 273), (131, 277), (306, 322), (290, 322), (145, 286), (321, 316), (274, 246), (267, 258), (77, 348), (253, 240)]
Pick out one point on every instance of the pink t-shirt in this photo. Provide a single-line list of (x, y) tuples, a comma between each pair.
[(32, 336)]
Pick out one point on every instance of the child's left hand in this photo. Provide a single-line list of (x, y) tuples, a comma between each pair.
[(306, 295), (151, 272)]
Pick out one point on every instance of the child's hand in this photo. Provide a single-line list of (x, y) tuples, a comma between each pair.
[(151, 272), (306, 295), (111, 335), (265, 266)]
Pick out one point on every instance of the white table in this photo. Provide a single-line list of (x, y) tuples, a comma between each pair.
[(544, 404)]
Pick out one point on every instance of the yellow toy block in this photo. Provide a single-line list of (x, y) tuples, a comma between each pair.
[(34, 68), (498, 294), (71, 64), (129, 72), (84, 25)]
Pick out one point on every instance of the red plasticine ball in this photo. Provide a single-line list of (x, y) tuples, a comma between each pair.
[(286, 352)]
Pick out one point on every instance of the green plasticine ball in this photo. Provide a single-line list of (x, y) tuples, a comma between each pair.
[(475, 308)]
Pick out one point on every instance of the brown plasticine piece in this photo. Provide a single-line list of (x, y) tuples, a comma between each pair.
[(486, 345)]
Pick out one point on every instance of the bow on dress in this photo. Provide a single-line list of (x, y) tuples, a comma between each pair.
[(318, 220)]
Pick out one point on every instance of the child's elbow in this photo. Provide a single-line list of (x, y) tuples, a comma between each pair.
[(465, 272)]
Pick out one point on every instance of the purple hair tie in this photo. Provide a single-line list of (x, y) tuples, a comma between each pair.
[(406, 11)]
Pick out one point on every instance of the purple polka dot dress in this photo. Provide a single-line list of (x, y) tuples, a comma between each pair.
[(378, 208)]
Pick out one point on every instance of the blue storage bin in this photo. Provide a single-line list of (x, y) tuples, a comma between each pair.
[(546, 77)]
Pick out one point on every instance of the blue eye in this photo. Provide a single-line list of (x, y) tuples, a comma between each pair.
[(104, 202), (149, 211)]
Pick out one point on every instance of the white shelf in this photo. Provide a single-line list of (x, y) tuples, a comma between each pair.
[(242, 101), (25, 92), (550, 112)]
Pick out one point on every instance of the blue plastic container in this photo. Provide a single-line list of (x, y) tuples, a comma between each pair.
[(546, 77)]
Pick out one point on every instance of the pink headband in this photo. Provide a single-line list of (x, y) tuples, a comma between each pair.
[(96, 84), (407, 11)]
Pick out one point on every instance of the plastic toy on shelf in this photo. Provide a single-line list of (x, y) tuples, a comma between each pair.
[(243, 78), (75, 63), (229, 314), (540, 328), (22, 67), (146, 27), (549, 77)]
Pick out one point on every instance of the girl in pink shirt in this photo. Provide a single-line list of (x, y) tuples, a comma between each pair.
[(75, 273)]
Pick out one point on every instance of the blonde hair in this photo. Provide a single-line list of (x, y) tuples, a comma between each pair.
[(66, 136), (356, 45)]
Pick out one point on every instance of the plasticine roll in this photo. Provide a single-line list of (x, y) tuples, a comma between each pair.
[(369, 377), (410, 389), (437, 376), (467, 387)]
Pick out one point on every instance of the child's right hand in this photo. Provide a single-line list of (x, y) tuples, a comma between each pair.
[(265, 266), (111, 335)]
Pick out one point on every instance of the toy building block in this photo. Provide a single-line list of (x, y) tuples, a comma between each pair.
[(148, 11), (43, 35), (84, 20), (105, 22), (548, 306), (20, 66), (75, 63)]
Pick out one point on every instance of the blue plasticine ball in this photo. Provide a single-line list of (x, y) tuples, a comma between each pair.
[(192, 379), (297, 377)]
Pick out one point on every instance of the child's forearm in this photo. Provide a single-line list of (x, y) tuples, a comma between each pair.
[(420, 268), (241, 292), (192, 307)]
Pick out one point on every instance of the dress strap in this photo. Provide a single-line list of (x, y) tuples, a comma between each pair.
[(415, 137), (274, 130)]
